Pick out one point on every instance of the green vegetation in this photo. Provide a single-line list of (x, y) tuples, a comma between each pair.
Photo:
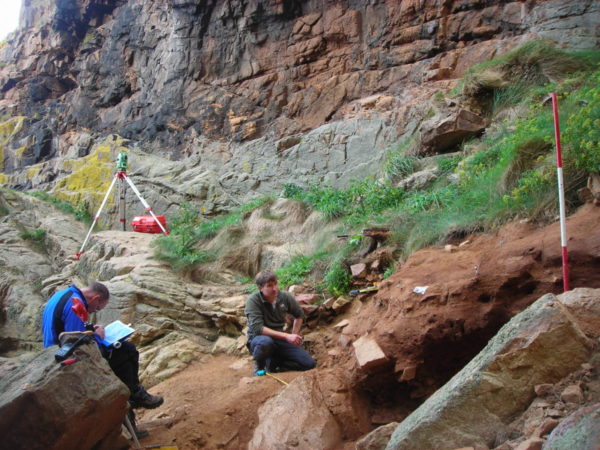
[(79, 211), (357, 204), (507, 173), (514, 77), (298, 269), (35, 236), (399, 166), (181, 248), (337, 279)]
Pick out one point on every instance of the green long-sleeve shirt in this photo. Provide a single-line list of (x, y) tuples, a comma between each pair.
[(261, 313)]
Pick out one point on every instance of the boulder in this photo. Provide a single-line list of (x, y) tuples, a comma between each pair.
[(296, 418), (584, 304), (540, 345), (378, 438), (580, 430), (368, 353), (44, 405), (418, 180), (443, 134), (225, 344)]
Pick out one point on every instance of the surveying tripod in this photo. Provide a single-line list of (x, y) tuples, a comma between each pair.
[(121, 175)]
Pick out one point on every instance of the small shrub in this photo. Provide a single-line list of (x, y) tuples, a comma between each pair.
[(337, 279), (399, 166), (178, 248), (37, 236), (359, 203), (188, 228), (582, 132), (389, 271)]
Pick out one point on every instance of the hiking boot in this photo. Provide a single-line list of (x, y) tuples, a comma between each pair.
[(143, 399)]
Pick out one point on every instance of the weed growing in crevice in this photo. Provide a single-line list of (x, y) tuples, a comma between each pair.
[(37, 235), (37, 238)]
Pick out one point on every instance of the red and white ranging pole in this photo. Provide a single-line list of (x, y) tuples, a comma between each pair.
[(561, 196)]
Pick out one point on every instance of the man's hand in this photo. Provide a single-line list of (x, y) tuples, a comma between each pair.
[(295, 339), (99, 330)]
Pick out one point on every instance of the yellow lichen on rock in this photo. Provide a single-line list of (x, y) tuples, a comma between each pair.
[(32, 171), (8, 128), (3, 178), (91, 175)]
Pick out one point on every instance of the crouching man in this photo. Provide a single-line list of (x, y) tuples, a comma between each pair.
[(273, 349), (69, 309)]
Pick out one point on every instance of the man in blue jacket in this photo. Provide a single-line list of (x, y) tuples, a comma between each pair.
[(69, 309)]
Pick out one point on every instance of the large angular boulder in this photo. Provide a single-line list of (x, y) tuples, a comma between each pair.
[(298, 418), (540, 345), (443, 134), (316, 410), (45, 405)]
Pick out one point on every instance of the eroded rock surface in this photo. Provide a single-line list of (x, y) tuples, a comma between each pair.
[(540, 345), (237, 97), (44, 405)]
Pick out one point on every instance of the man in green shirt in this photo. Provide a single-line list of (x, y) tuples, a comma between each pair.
[(273, 349)]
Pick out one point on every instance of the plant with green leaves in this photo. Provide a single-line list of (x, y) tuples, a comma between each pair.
[(582, 132), (179, 247), (297, 269), (338, 278), (38, 235), (358, 203), (37, 238), (400, 166)]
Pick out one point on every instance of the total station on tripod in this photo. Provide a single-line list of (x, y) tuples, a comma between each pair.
[(122, 162)]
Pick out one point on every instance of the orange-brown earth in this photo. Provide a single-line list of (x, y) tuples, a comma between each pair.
[(473, 290)]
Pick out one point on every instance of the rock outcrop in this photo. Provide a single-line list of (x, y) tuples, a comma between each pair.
[(539, 373), (439, 309), (36, 241), (237, 98), (44, 405), (540, 345), (177, 315)]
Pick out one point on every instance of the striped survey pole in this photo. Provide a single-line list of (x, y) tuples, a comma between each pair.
[(561, 196)]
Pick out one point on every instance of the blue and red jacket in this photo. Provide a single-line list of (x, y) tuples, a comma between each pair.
[(65, 311)]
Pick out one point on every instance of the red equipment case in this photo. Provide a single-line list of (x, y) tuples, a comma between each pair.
[(147, 224)]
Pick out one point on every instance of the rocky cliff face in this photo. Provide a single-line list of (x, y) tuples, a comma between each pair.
[(246, 94)]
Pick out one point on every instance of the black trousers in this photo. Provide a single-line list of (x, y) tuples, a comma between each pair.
[(124, 362)]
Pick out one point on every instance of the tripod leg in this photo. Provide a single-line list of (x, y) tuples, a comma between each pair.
[(146, 205), (96, 217)]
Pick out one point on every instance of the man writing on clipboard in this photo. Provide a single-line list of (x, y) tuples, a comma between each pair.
[(69, 309)]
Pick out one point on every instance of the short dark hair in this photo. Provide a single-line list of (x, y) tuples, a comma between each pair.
[(264, 277), (99, 289)]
